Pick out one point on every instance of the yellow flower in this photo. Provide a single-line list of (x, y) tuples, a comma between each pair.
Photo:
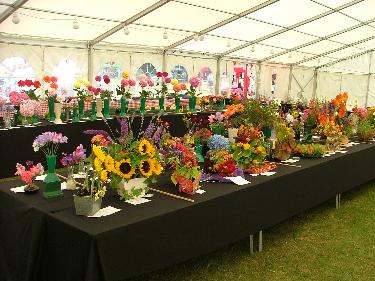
[(145, 147), (104, 175), (240, 144), (125, 74), (77, 85), (79, 80), (124, 169), (109, 163), (98, 152), (246, 146), (146, 168), (174, 81), (86, 83), (97, 164), (156, 167)]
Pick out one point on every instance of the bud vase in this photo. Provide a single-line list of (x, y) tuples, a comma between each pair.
[(307, 133), (52, 187), (81, 168), (177, 104), (86, 205), (51, 110), (99, 107), (123, 106), (7, 120), (192, 103), (75, 118), (58, 108), (198, 152), (143, 105), (93, 111), (81, 108), (221, 104), (106, 108), (266, 132), (70, 181), (161, 104)]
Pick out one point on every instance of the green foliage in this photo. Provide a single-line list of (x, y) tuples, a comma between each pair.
[(365, 127)]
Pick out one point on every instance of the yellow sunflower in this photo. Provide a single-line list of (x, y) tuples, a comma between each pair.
[(97, 164), (145, 147), (146, 168), (156, 167), (104, 175), (124, 169), (98, 152), (109, 163)]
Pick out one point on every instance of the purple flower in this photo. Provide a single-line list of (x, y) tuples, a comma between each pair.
[(157, 136), (78, 155), (49, 142), (149, 131), (124, 126)]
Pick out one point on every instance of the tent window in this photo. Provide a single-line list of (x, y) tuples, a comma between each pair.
[(147, 69), (179, 72), (273, 85), (207, 78), (12, 70), (112, 69), (66, 72)]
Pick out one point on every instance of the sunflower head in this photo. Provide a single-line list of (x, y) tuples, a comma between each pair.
[(104, 175), (97, 164), (124, 168), (109, 163), (156, 167), (146, 168), (145, 147)]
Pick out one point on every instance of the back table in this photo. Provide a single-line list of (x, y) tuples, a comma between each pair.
[(44, 239)]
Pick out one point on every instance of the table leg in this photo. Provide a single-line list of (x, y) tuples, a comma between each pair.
[(251, 244), (260, 241), (338, 201)]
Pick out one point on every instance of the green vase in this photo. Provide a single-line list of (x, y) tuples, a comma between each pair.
[(221, 104), (198, 152), (192, 104), (161, 104), (51, 110), (81, 108), (106, 108), (93, 111), (307, 132), (75, 118), (123, 106), (52, 187), (266, 132), (177, 104), (143, 105)]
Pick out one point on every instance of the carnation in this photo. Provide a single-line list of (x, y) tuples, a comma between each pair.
[(27, 108), (143, 83), (15, 98), (194, 82)]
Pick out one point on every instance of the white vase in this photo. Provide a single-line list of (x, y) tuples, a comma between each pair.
[(133, 188), (58, 108), (99, 107), (232, 134)]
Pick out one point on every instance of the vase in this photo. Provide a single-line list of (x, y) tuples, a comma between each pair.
[(31, 188), (267, 131), (24, 121), (198, 152), (232, 134), (192, 103), (7, 120), (132, 188), (51, 110), (221, 104), (93, 111), (58, 108), (81, 108), (86, 205), (106, 108), (34, 119), (52, 187), (81, 168), (70, 181), (177, 102), (161, 104), (307, 133), (75, 118), (99, 107), (142, 108), (123, 106), (16, 117), (281, 154)]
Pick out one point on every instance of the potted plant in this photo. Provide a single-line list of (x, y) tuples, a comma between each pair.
[(365, 130), (285, 142), (28, 174), (194, 84), (70, 161)]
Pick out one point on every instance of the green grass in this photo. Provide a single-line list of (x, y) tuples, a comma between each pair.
[(320, 244)]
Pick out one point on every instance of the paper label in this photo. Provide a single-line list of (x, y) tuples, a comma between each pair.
[(238, 180), (200, 191), (105, 212)]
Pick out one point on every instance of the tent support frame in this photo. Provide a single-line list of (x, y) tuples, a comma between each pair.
[(369, 78), (11, 9)]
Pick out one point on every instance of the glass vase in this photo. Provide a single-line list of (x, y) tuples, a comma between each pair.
[(81, 168), (70, 181), (177, 102), (221, 104), (143, 105), (161, 104), (75, 118), (93, 111), (106, 108), (51, 110), (192, 104), (123, 106), (52, 187), (7, 120), (81, 108), (307, 133)]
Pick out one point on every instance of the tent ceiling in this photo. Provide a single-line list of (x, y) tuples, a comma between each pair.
[(283, 31)]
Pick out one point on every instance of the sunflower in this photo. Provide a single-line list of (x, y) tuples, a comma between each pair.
[(145, 147), (156, 167), (124, 169), (97, 164), (104, 175), (98, 152), (146, 168), (109, 163)]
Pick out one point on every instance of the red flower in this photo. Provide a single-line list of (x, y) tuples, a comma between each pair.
[(165, 74), (53, 79), (106, 80), (159, 74), (29, 83), (46, 79), (167, 80), (54, 86), (21, 83), (37, 84), (98, 78), (183, 86)]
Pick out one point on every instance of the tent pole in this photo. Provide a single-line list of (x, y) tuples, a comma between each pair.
[(164, 63), (218, 76), (315, 83), (90, 71), (290, 81), (258, 80), (368, 79)]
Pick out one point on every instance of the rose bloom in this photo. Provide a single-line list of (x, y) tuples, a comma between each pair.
[(106, 80), (37, 84), (165, 74), (124, 82), (167, 80), (150, 83), (29, 83), (132, 82), (159, 74), (142, 83), (98, 78), (46, 79), (176, 88)]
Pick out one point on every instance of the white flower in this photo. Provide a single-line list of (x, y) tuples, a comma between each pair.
[(289, 118)]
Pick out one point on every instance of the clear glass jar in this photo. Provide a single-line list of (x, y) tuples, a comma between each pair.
[(70, 181)]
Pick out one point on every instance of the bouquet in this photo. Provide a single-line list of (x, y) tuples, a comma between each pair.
[(105, 91), (30, 87), (163, 80), (234, 115), (194, 84), (146, 84), (261, 112), (16, 98), (28, 174), (74, 158), (285, 142), (201, 136), (310, 150), (218, 124), (124, 88), (49, 142), (81, 86), (51, 87)]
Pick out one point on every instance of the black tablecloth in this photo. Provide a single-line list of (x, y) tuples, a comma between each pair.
[(44, 239), (16, 144)]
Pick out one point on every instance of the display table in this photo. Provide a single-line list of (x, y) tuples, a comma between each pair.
[(16, 144), (44, 239)]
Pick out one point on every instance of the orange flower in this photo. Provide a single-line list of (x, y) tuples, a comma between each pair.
[(336, 102), (345, 96), (176, 88), (53, 79), (54, 86), (46, 79)]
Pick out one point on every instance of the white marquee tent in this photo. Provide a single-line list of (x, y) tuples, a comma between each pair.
[(317, 47)]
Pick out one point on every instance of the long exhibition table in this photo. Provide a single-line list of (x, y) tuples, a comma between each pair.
[(16, 144), (44, 239)]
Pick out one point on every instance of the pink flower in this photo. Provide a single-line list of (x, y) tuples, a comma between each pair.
[(64, 91), (38, 110), (124, 82), (194, 82), (98, 78), (142, 77), (15, 98), (24, 96), (150, 82), (159, 74), (132, 82), (167, 80), (143, 83), (165, 74), (27, 107), (20, 169), (183, 86), (90, 88), (27, 177)]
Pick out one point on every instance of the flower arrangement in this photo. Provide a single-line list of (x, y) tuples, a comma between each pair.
[(105, 91), (146, 84), (16, 98), (201, 136), (219, 164), (285, 142), (30, 87), (250, 149), (28, 174), (218, 124), (194, 84), (365, 130), (237, 96), (310, 150), (81, 86), (163, 81), (261, 112), (234, 115), (124, 88), (49, 142), (28, 108), (50, 87), (218, 142), (183, 163), (74, 158), (195, 122), (339, 103)]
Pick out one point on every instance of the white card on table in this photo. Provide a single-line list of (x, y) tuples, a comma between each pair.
[(137, 201), (40, 178), (238, 180), (105, 212), (267, 174), (148, 195), (18, 189), (200, 191)]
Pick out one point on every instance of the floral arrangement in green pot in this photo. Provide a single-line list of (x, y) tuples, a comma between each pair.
[(311, 150)]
